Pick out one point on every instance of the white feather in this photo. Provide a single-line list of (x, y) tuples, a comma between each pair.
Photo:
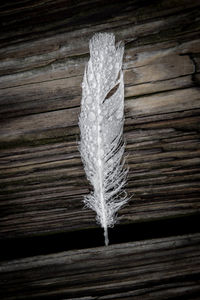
[(101, 126)]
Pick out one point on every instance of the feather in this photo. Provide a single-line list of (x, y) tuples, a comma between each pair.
[(101, 129)]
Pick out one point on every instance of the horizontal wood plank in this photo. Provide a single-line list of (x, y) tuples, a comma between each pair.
[(151, 269)]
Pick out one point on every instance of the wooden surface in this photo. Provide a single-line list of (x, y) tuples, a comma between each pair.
[(42, 177), (152, 269), (43, 52)]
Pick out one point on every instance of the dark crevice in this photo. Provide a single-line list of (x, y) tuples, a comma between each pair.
[(114, 89), (195, 79), (5, 116), (111, 92), (153, 81), (162, 114), (40, 245), (157, 92), (36, 82)]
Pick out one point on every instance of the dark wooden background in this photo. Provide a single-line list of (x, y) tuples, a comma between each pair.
[(51, 248)]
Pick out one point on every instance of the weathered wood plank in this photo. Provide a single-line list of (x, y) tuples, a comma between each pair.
[(161, 103), (62, 60), (151, 269), (46, 20), (66, 93), (78, 47)]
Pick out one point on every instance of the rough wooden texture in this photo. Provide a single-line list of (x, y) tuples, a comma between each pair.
[(152, 269), (43, 51)]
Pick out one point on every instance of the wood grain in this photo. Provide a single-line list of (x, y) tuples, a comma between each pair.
[(44, 48), (151, 269)]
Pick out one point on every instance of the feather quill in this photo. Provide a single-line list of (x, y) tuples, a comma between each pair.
[(101, 129)]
